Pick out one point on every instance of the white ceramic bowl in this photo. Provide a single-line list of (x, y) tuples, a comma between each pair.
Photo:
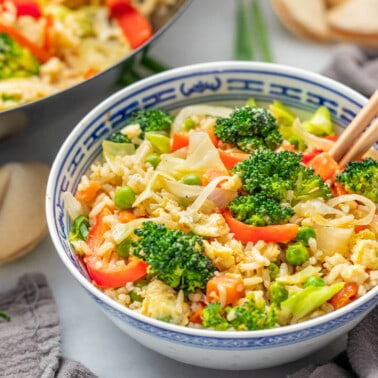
[(226, 83)]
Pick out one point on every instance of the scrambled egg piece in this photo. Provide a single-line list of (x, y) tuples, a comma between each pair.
[(221, 256), (233, 183), (365, 250), (164, 303), (212, 225), (226, 254)]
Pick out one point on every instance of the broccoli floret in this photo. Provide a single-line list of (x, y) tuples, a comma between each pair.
[(277, 292), (249, 128), (273, 270), (213, 316), (280, 176), (250, 315), (152, 120), (119, 137), (175, 257), (15, 60), (361, 177), (259, 210)]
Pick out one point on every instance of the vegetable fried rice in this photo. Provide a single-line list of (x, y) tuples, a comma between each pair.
[(227, 218), (47, 46)]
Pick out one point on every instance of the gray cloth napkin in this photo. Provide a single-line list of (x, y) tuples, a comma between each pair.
[(360, 358), (30, 341), (356, 67)]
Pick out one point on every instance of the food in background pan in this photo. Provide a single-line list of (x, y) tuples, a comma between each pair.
[(47, 46)]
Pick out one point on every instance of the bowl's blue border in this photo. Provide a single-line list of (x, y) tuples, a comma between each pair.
[(238, 343)]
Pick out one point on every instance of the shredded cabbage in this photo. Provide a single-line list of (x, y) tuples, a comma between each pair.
[(202, 155), (310, 139)]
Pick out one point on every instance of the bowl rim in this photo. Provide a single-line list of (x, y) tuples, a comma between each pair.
[(207, 67)]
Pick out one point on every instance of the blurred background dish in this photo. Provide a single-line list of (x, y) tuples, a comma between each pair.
[(73, 78), (352, 21)]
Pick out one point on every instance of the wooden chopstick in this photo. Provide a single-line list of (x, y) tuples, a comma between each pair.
[(362, 145), (354, 142)]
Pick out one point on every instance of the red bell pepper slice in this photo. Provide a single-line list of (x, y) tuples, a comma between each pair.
[(27, 8), (306, 158), (112, 276), (96, 234), (41, 54), (135, 26), (100, 270), (278, 233)]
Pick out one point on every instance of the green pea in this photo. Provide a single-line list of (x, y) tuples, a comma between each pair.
[(297, 254), (191, 179), (304, 234), (123, 248), (124, 197), (277, 292), (153, 159), (314, 281), (274, 270), (189, 124)]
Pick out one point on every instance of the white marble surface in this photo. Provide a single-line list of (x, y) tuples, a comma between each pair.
[(203, 33)]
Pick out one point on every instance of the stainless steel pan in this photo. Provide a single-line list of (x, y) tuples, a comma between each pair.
[(72, 103)]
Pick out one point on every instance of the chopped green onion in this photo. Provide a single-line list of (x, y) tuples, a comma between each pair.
[(130, 72), (4, 315), (243, 34), (152, 64), (79, 229), (261, 32)]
